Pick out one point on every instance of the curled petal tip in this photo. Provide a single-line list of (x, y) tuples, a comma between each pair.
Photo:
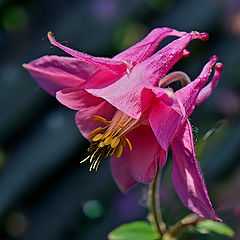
[(50, 37), (214, 58), (219, 66), (186, 53), (205, 36), (25, 66)]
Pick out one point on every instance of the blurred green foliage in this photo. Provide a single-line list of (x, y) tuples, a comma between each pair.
[(93, 209), (14, 18)]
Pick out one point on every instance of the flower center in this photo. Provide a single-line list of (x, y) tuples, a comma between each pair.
[(109, 140)]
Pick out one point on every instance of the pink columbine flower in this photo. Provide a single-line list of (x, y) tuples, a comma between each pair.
[(127, 113)]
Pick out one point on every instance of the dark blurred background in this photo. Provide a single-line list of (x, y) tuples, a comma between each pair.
[(44, 192)]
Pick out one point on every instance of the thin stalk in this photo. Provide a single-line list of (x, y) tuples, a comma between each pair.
[(157, 201), (154, 205), (186, 222)]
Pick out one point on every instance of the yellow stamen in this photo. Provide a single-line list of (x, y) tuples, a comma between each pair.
[(112, 151), (94, 163), (94, 132), (97, 165), (101, 144), (85, 159), (100, 119), (129, 143), (97, 137), (115, 142), (92, 157), (91, 166), (119, 150), (112, 141), (106, 134), (108, 140)]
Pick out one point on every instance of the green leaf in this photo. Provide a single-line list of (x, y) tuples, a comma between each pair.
[(208, 226), (139, 230)]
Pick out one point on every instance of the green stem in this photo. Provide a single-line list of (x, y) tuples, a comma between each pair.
[(154, 205), (188, 221), (157, 201), (156, 218)]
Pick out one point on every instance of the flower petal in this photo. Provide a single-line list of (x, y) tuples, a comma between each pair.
[(54, 73), (162, 157), (188, 95), (88, 105), (77, 98), (100, 62), (148, 45), (140, 163), (126, 94), (122, 175), (84, 117), (132, 94), (165, 122), (135, 54), (161, 62), (187, 176), (207, 91)]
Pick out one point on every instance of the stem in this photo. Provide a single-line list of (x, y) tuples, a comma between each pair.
[(154, 205), (156, 217), (186, 222), (157, 201)]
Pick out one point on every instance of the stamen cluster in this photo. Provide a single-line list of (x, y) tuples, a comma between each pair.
[(110, 142)]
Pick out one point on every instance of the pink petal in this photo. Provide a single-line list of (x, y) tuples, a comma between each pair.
[(100, 62), (54, 73), (88, 105), (187, 176), (167, 96), (207, 91), (77, 98), (122, 175), (188, 95), (163, 157), (161, 62), (126, 94), (165, 122), (139, 164), (148, 45), (84, 117), (132, 94)]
